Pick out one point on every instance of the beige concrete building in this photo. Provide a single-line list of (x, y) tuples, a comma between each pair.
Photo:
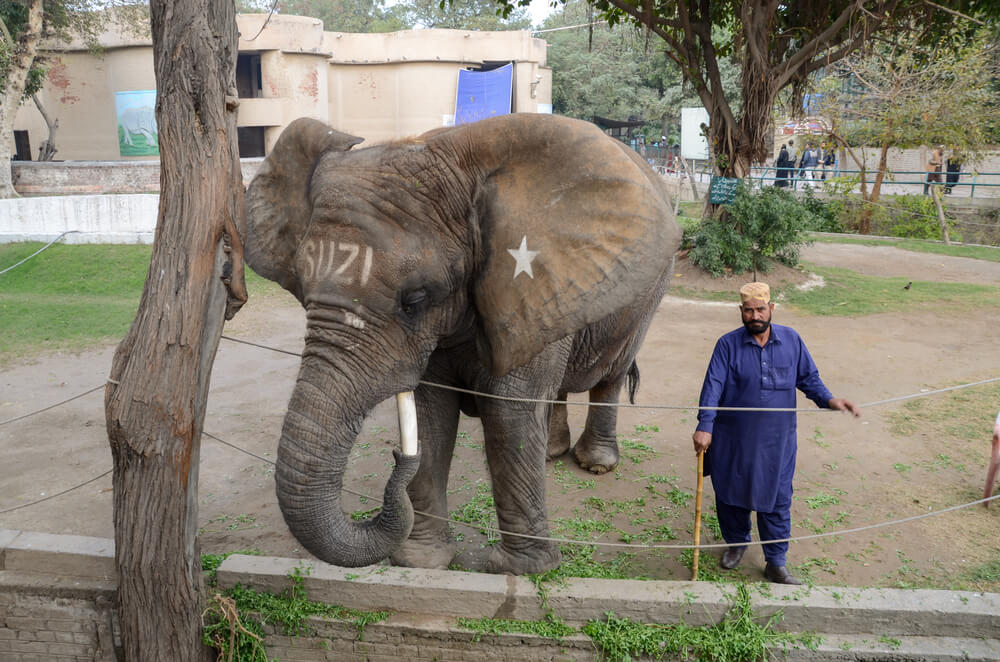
[(378, 86)]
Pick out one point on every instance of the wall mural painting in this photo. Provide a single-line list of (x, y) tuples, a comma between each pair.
[(137, 134)]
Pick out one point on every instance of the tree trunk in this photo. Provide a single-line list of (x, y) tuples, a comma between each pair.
[(155, 400), (936, 191), (865, 224), (24, 54), (48, 147)]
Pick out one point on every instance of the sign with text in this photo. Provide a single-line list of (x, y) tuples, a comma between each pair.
[(722, 190)]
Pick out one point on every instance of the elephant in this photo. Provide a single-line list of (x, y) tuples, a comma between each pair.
[(141, 121), (521, 256)]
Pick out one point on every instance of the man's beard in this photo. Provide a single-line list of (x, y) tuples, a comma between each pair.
[(757, 327)]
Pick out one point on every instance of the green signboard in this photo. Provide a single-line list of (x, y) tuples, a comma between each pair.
[(722, 190)]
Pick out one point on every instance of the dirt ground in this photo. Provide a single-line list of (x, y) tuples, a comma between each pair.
[(851, 472)]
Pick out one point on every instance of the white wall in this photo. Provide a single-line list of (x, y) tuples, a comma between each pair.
[(97, 219)]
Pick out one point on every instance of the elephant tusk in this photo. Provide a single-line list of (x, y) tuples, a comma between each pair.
[(407, 409)]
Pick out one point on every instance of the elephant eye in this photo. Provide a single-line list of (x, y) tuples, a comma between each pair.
[(413, 303)]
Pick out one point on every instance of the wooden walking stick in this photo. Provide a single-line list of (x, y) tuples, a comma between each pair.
[(697, 516)]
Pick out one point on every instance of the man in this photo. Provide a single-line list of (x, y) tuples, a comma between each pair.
[(750, 455), (807, 166)]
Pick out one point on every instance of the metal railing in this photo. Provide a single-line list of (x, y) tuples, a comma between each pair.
[(795, 178)]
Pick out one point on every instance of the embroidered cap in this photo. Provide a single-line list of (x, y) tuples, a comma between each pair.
[(755, 294)]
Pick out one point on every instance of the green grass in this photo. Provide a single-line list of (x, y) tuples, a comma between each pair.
[(850, 293), (691, 208), (241, 639), (739, 637), (989, 253), (76, 296), (964, 416)]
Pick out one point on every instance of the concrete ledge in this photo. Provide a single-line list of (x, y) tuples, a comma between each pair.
[(67, 565), (51, 554), (413, 590)]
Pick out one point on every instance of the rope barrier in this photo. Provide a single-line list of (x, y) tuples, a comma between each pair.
[(568, 541), (624, 545), (39, 411), (53, 496), (39, 250)]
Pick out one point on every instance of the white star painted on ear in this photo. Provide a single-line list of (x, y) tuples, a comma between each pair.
[(523, 257)]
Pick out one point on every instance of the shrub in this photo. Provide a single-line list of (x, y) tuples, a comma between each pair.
[(761, 226), (824, 215), (691, 228), (911, 216)]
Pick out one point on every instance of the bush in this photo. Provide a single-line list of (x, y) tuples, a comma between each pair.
[(761, 226), (912, 217), (691, 228), (824, 215)]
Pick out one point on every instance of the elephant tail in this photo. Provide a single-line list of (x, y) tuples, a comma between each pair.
[(633, 381)]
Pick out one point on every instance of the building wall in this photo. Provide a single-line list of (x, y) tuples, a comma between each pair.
[(377, 86)]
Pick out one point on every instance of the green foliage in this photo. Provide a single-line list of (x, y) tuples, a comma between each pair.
[(850, 293), (737, 638), (905, 94), (824, 215), (619, 73), (911, 216), (340, 15), (549, 627), (691, 227), (460, 14), (972, 252), (210, 562), (480, 511), (761, 226), (73, 296), (234, 623)]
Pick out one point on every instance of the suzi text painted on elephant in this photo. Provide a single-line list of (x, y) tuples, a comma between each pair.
[(335, 260)]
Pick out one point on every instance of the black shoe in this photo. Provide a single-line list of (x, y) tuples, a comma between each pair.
[(732, 557), (779, 574)]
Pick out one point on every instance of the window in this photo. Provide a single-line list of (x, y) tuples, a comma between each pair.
[(22, 146), (248, 84), (251, 140)]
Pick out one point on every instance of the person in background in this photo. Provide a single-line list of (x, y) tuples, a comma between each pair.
[(954, 169), (934, 164), (750, 455), (810, 159), (781, 167), (829, 159)]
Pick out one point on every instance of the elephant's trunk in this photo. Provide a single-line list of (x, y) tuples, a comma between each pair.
[(316, 440)]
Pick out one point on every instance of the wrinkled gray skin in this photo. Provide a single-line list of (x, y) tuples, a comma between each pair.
[(401, 256)]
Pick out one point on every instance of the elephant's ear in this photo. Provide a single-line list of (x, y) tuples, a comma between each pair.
[(277, 200), (575, 227)]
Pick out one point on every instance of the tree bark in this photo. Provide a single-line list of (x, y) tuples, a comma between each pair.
[(155, 399), (936, 192), (24, 54)]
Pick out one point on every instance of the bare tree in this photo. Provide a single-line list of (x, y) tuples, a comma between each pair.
[(778, 46), (155, 399), (48, 147), (905, 95)]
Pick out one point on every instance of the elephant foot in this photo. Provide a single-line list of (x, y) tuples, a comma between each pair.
[(532, 560), (559, 442), (596, 458), (436, 553)]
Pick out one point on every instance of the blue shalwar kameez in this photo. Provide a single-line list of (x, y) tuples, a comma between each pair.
[(752, 455)]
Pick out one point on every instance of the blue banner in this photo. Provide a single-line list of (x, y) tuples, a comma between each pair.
[(483, 94)]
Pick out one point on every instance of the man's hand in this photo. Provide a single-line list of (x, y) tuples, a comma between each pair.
[(843, 404), (702, 440)]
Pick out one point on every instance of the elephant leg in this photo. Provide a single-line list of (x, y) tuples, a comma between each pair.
[(559, 437), (430, 544), (597, 447), (516, 441)]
